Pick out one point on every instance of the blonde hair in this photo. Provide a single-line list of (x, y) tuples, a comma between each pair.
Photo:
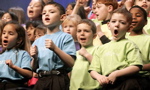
[(75, 19)]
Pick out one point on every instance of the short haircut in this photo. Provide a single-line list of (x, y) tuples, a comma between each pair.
[(124, 12), (143, 10), (114, 3), (59, 6), (90, 23)]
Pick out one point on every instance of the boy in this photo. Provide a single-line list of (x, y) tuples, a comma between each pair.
[(80, 78), (115, 65), (56, 50), (103, 11), (136, 35)]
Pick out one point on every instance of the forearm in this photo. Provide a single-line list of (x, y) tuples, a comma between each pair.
[(88, 57), (94, 74), (34, 63), (127, 71), (67, 59), (146, 67), (23, 72)]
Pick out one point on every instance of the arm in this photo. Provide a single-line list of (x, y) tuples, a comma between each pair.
[(23, 72), (123, 72), (62, 55), (34, 53), (85, 54), (101, 35), (146, 67), (100, 78), (79, 3)]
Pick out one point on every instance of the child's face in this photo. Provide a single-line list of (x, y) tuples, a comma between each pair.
[(34, 9), (70, 28), (50, 14), (9, 36), (6, 17), (39, 33), (118, 26), (101, 11), (69, 10), (138, 21), (85, 35), (30, 32), (144, 4)]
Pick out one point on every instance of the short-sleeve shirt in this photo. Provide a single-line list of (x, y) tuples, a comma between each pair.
[(80, 77), (105, 30), (147, 26), (19, 58), (47, 59), (115, 55), (143, 43)]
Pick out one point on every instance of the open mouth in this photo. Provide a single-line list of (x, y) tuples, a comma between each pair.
[(144, 6), (116, 32), (31, 12), (47, 19), (5, 41)]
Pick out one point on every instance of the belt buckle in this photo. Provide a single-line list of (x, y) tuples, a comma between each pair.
[(57, 72), (39, 75)]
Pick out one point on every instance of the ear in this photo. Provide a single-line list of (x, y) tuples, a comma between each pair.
[(63, 17), (110, 8)]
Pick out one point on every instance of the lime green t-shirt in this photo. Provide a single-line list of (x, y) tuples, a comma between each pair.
[(143, 43), (147, 26), (105, 30), (115, 55), (80, 77)]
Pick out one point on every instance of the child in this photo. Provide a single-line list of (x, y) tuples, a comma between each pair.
[(69, 26), (19, 12), (9, 16), (136, 35), (40, 30), (115, 65), (56, 50), (34, 10), (80, 78), (73, 8), (15, 60), (103, 11), (30, 29)]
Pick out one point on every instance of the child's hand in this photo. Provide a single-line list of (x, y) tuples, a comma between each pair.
[(112, 77), (98, 30), (33, 51), (80, 2), (103, 80), (9, 63), (129, 4), (83, 52), (49, 44)]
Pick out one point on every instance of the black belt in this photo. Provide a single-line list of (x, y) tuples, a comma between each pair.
[(48, 73)]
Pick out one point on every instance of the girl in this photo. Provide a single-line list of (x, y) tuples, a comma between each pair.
[(34, 10), (9, 16), (30, 29), (15, 60), (70, 26)]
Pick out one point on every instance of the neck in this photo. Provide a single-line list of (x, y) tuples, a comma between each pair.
[(56, 29), (134, 33)]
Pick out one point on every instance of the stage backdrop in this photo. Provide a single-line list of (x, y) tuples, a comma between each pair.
[(6, 4)]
